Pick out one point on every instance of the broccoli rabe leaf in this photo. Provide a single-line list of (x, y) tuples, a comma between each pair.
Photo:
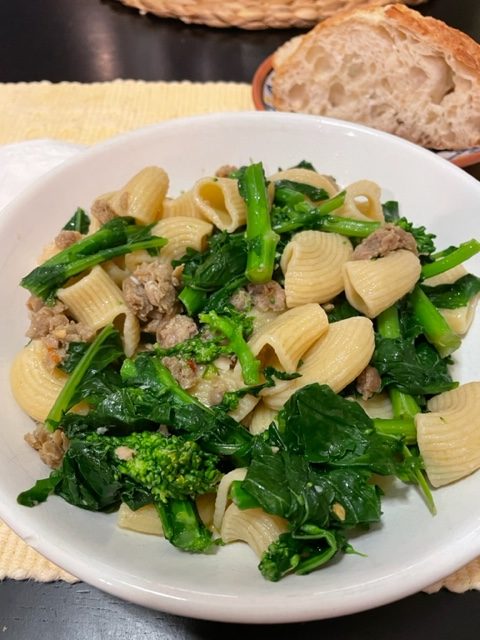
[(224, 259), (78, 222), (328, 429), (455, 295), (289, 192), (412, 367)]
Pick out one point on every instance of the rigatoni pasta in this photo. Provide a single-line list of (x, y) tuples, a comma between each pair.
[(312, 264)]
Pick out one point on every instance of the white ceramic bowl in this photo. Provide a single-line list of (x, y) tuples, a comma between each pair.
[(409, 550)]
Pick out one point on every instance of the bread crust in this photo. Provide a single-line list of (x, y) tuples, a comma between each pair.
[(460, 51)]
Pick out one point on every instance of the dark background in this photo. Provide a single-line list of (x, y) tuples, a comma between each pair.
[(100, 40), (93, 40)]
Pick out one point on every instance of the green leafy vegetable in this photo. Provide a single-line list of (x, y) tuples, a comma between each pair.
[(237, 344), (78, 222), (117, 237), (455, 295)]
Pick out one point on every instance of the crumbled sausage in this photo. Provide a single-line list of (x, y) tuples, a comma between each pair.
[(176, 330), (150, 288), (185, 372), (66, 238), (225, 170), (241, 300), (267, 297), (383, 241), (102, 210), (51, 445), (368, 382), (55, 329)]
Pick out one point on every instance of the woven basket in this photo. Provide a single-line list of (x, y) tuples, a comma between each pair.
[(252, 14)]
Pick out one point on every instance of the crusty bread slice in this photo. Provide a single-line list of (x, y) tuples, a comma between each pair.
[(387, 67)]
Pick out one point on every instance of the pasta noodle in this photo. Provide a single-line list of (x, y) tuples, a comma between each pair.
[(35, 386), (306, 176), (362, 202), (312, 265), (253, 526), (220, 202), (182, 233), (371, 286), (335, 359), (142, 197), (96, 301), (283, 341), (449, 436)]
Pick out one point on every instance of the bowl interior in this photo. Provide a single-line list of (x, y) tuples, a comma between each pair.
[(409, 550)]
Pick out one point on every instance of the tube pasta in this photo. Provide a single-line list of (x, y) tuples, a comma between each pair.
[(183, 205), (35, 386), (371, 286), (336, 359), (253, 526), (147, 520), (220, 202), (182, 233), (284, 340), (262, 418), (312, 264), (222, 500), (306, 176), (362, 202), (97, 301), (449, 436), (142, 197), (378, 406), (143, 520)]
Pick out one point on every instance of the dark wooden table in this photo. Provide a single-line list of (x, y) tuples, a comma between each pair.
[(95, 40)]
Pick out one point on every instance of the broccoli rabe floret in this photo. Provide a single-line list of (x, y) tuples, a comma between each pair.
[(300, 552), (168, 466)]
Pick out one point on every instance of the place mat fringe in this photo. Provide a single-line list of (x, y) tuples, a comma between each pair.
[(252, 14)]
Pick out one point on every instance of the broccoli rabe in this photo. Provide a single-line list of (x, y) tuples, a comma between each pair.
[(98, 472), (116, 238), (169, 467), (300, 553), (233, 332)]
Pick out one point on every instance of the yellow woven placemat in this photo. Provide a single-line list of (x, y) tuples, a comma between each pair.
[(89, 113)]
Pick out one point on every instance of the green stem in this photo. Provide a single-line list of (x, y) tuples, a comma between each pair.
[(193, 299), (462, 253), (403, 404), (261, 239), (419, 477), (435, 327), (399, 427)]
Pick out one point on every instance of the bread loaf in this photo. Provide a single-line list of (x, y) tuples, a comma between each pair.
[(387, 67)]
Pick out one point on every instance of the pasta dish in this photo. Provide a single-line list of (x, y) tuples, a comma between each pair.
[(245, 361)]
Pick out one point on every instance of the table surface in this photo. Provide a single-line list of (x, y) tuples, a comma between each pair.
[(100, 40)]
